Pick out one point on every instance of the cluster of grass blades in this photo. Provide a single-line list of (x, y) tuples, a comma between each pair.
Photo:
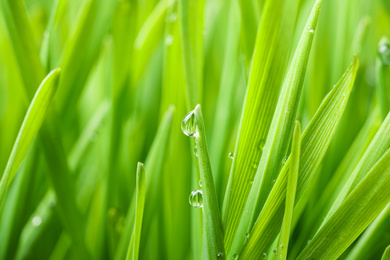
[(293, 97)]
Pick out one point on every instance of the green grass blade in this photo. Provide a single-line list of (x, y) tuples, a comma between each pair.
[(212, 224), (315, 141), (32, 123), (191, 27), (386, 254), (270, 60), (280, 132), (139, 211), (383, 76), (290, 193), (376, 149), (358, 210)]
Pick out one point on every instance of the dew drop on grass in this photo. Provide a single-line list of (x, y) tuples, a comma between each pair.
[(284, 160), (260, 145), (264, 255), (231, 156), (219, 256), (275, 251), (196, 150), (172, 18), (200, 183), (196, 198), (188, 125), (235, 257), (169, 39), (247, 235), (384, 53), (36, 221)]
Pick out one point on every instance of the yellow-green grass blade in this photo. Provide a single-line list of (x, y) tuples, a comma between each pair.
[(386, 254), (212, 225), (383, 76), (375, 150), (270, 60), (133, 251), (290, 194), (357, 211), (33, 120), (315, 141), (280, 132), (191, 27), (374, 239), (154, 164)]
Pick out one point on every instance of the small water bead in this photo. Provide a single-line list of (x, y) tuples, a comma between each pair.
[(275, 251), (311, 31), (384, 53), (220, 256), (235, 257), (264, 255), (247, 235), (254, 165), (196, 150), (281, 246), (36, 221), (169, 39), (260, 145), (172, 18), (188, 125), (200, 183), (284, 160), (196, 199), (231, 156)]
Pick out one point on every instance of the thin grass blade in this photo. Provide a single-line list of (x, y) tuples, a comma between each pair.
[(386, 254)]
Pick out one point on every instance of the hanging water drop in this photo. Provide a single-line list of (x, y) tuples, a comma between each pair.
[(196, 199), (36, 221), (219, 256), (169, 39), (384, 53), (188, 125), (231, 156), (235, 256)]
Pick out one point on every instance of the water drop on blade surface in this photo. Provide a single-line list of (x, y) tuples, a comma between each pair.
[(231, 156), (36, 221), (196, 199), (169, 40), (188, 125)]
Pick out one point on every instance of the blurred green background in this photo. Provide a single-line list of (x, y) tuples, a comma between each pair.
[(123, 65)]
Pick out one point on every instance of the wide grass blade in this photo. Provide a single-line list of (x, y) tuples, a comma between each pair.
[(277, 142), (212, 224), (358, 210), (133, 250), (270, 60), (32, 123), (290, 193), (386, 254), (315, 141)]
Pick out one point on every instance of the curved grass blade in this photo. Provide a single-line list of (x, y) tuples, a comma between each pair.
[(133, 250), (383, 76), (212, 224), (358, 210), (386, 254), (32, 123), (290, 193), (315, 141), (270, 60), (280, 131)]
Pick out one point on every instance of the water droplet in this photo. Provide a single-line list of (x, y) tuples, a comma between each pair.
[(260, 145), (172, 18), (196, 199), (284, 160), (52, 202), (196, 150), (308, 241), (384, 53), (36, 221), (235, 256), (231, 156), (247, 235), (220, 256), (200, 183), (275, 251), (169, 39), (264, 255), (281, 246), (311, 31), (188, 125), (254, 165)]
